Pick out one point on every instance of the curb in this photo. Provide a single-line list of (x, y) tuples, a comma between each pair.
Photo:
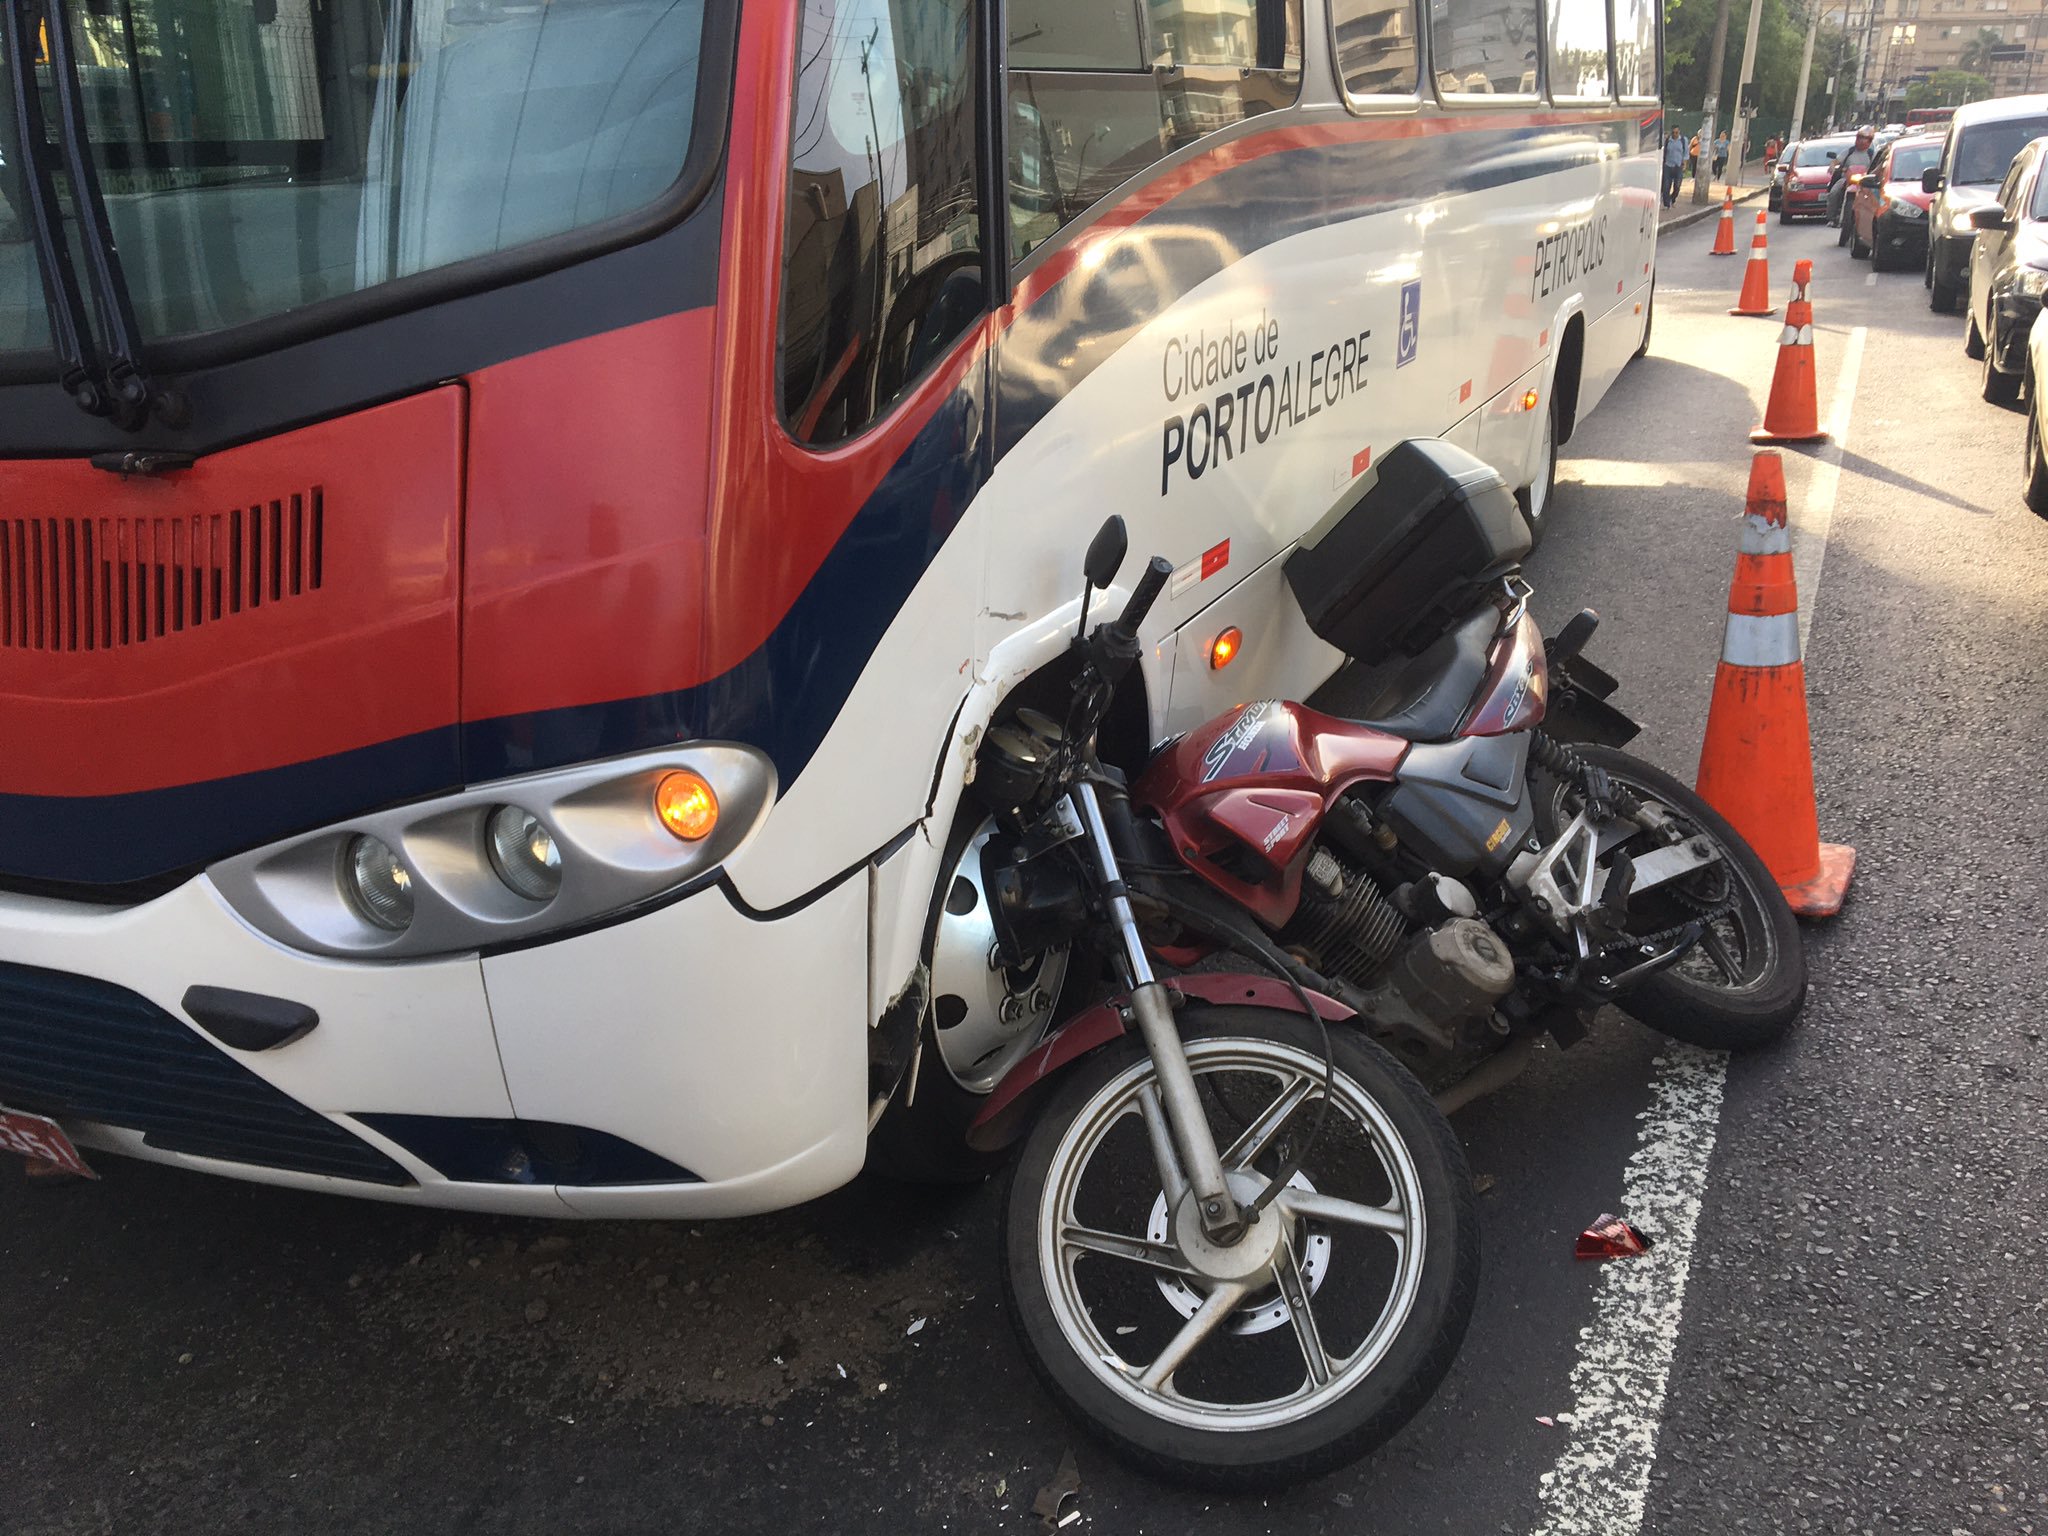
[(1712, 210)]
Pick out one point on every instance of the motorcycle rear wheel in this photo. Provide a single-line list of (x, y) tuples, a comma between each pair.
[(1321, 1353), (1745, 983)]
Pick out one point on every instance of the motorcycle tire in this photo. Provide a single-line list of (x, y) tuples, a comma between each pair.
[(1725, 1014), (1078, 1308)]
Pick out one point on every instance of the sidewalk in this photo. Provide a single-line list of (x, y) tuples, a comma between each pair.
[(1686, 212)]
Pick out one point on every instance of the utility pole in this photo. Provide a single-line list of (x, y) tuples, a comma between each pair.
[(1702, 188), (1805, 73), (1740, 129)]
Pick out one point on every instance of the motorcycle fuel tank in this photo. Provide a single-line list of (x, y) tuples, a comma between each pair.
[(1243, 796)]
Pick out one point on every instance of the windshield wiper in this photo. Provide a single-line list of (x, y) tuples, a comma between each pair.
[(133, 395), (70, 326)]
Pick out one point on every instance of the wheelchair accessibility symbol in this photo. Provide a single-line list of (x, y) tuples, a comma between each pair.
[(1411, 324)]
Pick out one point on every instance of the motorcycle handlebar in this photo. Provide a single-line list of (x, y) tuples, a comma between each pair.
[(1147, 593)]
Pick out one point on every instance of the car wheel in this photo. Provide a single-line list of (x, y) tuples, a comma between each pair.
[(1784, 215), (1927, 268), (1842, 233), (1973, 339), (1999, 388), (2037, 468)]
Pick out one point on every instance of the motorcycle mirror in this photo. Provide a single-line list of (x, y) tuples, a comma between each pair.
[(1106, 553)]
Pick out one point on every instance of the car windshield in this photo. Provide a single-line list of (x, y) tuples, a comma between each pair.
[(257, 156), (1817, 152), (1985, 150), (1909, 160)]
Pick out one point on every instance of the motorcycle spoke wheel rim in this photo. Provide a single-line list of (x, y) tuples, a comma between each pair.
[(1323, 1229)]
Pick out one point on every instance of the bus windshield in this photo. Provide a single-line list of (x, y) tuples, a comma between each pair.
[(257, 156)]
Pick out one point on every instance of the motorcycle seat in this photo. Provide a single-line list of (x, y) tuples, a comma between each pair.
[(1429, 695)]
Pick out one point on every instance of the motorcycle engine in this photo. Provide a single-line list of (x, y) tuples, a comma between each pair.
[(1345, 924)]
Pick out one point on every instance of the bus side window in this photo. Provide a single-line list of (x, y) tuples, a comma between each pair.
[(1578, 51), (1484, 47), (882, 248), (1099, 91), (1376, 53), (1637, 73)]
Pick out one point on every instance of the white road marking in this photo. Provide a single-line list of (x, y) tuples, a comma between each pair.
[(1599, 1485), (1870, 281), (1810, 528), (1600, 1482)]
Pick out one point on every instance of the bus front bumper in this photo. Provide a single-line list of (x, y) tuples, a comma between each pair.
[(698, 1060)]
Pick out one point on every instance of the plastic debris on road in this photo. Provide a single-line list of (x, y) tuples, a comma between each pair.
[(1611, 1238), (1053, 1501)]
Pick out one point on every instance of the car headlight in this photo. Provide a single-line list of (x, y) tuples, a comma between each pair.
[(2029, 281), (523, 854), (377, 884), (1899, 208)]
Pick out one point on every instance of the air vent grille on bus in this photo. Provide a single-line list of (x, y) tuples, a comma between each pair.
[(95, 583)]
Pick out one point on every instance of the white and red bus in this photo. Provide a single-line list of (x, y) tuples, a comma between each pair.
[(514, 515)]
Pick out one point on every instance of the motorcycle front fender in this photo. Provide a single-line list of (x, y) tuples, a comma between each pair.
[(1007, 1113)]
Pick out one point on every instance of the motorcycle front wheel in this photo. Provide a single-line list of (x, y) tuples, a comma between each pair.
[(1744, 982), (1304, 1345)]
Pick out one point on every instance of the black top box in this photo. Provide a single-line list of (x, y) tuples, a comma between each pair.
[(1415, 549)]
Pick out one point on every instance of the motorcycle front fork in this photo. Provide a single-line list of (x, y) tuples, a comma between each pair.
[(1184, 1147)]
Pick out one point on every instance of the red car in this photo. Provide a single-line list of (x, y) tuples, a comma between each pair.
[(1806, 178), (1888, 210)]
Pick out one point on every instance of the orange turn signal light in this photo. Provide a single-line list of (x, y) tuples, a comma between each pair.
[(1529, 401), (686, 805), (1223, 649)]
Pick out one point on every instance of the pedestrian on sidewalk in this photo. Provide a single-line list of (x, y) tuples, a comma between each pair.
[(1721, 155), (1772, 146), (1674, 166), (1692, 158)]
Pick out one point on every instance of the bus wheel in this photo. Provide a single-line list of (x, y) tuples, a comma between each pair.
[(983, 1017), (1534, 498), (1649, 319)]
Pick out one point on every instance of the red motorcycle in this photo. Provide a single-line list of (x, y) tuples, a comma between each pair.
[(1239, 1239)]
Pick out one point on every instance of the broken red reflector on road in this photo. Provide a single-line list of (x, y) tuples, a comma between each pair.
[(1611, 1238)]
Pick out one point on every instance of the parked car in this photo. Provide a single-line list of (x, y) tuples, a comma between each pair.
[(2036, 467), (2008, 269), (1888, 207), (1806, 182), (1779, 171), (1982, 139)]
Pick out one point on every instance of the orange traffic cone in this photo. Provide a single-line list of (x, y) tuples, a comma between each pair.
[(1756, 767), (1724, 236), (1756, 277), (1793, 415)]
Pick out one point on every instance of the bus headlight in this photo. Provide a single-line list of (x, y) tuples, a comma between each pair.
[(523, 854), (509, 862), (378, 885)]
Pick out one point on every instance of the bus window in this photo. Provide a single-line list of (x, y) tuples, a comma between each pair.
[(1375, 47), (1578, 50), (882, 248), (1636, 61), (1483, 47), (1099, 92)]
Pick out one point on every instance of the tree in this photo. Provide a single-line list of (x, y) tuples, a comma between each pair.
[(1781, 36), (1976, 54), (1947, 88)]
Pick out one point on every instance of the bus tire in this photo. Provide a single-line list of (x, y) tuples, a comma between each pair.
[(1535, 498), (922, 1135), (1649, 319)]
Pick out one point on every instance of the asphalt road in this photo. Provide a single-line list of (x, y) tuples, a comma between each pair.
[(1864, 1339)]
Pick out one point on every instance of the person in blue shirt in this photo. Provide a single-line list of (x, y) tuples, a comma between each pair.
[(1674, 166)]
